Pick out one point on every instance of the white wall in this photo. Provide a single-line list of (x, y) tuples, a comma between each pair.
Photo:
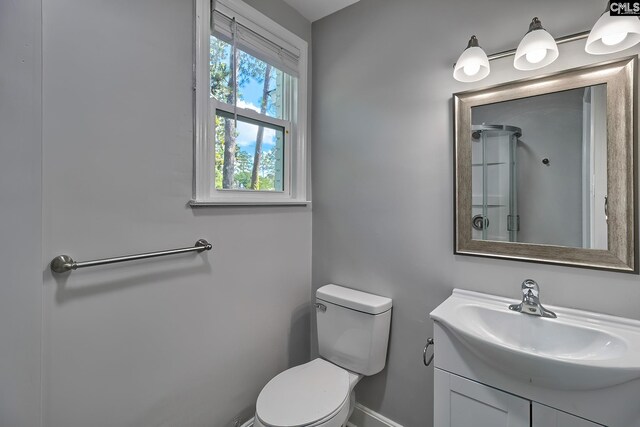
[(382, 75), (182, 341), (20, 212)]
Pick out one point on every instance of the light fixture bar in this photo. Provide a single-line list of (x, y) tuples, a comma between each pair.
[(559, 40)]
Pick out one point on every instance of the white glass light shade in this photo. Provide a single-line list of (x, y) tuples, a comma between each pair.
[(612, 34), (537, 49), (473, 65)]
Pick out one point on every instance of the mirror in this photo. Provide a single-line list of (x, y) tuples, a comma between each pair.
[(531, 154), (545, 168)]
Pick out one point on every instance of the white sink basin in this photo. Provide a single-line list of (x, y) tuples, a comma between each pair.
[(579, 350)]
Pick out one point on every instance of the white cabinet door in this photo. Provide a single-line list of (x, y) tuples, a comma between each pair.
[(459, 402), (544, 416)]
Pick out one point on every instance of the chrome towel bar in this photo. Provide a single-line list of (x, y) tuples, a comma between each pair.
[(64, 263)]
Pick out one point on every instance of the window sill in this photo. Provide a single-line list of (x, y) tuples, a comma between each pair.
[(200, 204)]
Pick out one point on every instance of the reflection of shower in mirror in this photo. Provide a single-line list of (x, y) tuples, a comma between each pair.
[(514, 187), (494, 178)]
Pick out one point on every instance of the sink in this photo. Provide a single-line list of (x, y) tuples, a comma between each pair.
[(579, 350)]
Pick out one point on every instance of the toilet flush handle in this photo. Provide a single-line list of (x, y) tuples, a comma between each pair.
[(321, 307)]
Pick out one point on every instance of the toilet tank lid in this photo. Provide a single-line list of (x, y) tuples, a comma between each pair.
[(355, 300)]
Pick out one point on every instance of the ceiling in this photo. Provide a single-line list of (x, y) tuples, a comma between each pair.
[(316, 9)]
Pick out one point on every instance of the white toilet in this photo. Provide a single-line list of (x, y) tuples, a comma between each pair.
[(353, 333)]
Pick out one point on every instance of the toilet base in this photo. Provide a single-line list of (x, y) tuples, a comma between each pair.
[(352, 406)]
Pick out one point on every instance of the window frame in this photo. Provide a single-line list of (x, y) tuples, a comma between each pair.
[(295, 138)]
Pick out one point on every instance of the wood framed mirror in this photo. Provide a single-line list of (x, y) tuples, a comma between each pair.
[(545, 168)]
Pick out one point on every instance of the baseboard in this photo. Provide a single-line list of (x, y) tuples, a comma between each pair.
[(365, 417), (361, 417)]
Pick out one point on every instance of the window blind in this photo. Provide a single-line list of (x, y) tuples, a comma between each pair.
[(250, 39)]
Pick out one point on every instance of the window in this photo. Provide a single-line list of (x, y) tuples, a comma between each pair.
[(250, 100)]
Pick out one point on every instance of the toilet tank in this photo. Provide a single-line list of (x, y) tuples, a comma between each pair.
[(353, 328)]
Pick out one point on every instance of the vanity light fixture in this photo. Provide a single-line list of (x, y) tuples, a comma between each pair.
[(473, 64), (613, 33), (537, 48)]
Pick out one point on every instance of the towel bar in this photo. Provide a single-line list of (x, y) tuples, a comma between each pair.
[(64, 263)]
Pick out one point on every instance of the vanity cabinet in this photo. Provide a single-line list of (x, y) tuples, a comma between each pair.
[(496, 367), (544, 416), (460, 402)]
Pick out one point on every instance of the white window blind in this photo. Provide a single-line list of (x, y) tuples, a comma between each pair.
[(271, 50)]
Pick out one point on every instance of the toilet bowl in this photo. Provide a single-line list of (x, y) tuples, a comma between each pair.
[(316, 394), (353, 335)]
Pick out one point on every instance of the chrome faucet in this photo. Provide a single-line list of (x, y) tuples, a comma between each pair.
[(531, 301)]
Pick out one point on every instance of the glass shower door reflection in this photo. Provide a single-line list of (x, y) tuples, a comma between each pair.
[(494, 194)]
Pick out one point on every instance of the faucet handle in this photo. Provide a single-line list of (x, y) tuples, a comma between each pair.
[(530, 288)]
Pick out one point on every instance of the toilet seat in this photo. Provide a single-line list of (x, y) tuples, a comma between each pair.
[(305, 395)]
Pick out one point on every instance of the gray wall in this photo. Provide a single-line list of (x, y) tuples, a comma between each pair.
[(549, 197), (184, 341), (20, 212), (382, 181), (285, 15)]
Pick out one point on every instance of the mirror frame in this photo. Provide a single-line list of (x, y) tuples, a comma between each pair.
[(621, 80)]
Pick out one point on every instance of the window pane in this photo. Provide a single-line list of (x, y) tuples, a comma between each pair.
[(249, 157), (261, 87), (220, 60)]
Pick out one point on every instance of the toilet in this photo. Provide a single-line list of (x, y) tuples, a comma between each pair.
[(353, 334)]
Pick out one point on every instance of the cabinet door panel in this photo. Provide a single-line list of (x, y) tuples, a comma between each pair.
[(544, 416), (459, 402)]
